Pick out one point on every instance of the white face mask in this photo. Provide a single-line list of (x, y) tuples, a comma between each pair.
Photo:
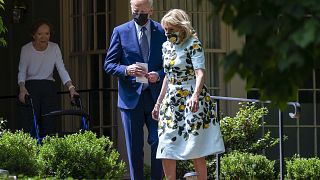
[(173, 37)]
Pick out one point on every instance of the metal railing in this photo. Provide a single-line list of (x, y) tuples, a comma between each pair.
[(293, 115)]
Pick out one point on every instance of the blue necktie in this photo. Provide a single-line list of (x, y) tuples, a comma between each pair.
[(144, 45)]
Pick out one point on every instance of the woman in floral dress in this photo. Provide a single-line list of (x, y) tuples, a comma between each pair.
[(188, 128)]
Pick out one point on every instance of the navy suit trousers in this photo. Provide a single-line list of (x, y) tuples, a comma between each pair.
[(133, 121)]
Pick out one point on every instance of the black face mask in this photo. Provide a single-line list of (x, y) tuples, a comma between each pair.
[(140, 19)]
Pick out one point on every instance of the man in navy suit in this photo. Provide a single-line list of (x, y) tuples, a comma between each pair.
[(138, 41)]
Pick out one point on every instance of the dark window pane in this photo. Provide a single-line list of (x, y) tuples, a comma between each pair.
[(90, 5), (306, 102), (290, 145), (94, 96), (94, 108), (101, 31), (307, 142), (101, 6), (317, 78), (253, 94), (308, 82), (76, 7), (318, 141), (107, 104), (95, 69), (90, 33), (76, 34), (318, 110)]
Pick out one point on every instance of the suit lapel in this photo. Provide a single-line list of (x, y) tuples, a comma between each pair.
[(153, 40), (133, 34)]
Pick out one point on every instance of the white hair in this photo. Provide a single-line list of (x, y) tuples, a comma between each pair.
[(150, 2)]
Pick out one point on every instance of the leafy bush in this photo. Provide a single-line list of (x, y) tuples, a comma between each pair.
[(18, 153), (79, 156), (239, 131), (2, 124), (240, 165), (303, 168)]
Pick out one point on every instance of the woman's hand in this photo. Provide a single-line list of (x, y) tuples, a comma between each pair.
[(152, 77), (155, 111), (73, 92), (22, 94), (194, 103)]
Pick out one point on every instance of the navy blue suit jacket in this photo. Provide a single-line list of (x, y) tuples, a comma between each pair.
[(124, 50)]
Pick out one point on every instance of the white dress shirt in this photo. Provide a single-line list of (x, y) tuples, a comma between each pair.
[(148, 31)]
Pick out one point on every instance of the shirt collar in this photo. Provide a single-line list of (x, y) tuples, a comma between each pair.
[(138, 27)]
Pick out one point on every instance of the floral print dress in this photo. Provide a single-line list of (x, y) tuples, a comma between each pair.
[(182, 134)]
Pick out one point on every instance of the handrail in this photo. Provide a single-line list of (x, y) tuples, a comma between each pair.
[(292, 115), (67, 92)]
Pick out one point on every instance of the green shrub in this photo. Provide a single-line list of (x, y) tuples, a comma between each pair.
[(303, 168), (239, 132), (18, 153), (240, 165), (2, 124), (79, 156)]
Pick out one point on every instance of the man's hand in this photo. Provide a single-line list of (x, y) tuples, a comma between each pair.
[(136, 70)]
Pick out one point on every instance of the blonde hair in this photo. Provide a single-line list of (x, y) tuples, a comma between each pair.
[(180, 19)]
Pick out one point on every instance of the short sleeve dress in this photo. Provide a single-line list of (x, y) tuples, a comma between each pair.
[(182, 134)]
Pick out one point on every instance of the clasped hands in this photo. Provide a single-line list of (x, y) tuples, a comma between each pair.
[(139, 71)]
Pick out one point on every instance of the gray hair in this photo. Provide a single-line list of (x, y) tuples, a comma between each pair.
[(150, 2), (180, 19)]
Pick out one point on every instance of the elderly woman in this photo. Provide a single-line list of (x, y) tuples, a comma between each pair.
[(188, 128), (38, 59)]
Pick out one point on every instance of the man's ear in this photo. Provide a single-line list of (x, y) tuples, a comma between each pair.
[(151, 12)]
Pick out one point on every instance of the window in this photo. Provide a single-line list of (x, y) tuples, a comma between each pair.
[(87, 27), (303, 134)]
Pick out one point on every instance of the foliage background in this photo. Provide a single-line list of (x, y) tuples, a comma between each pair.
[(3, 29), (282, 44)]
